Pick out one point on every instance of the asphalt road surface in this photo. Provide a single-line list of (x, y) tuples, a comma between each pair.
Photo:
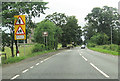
[(74, 63)]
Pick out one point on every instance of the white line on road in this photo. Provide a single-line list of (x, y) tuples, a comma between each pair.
[(45, 59), (99, 70), (84, 58), (31, 67), (37, 64), (15, 77), (58, 54), (25, 71), (80, 54), (41, 62)]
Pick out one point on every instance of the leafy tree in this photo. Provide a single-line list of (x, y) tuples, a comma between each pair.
[(71, 31), (99, 39), (60, 19), (5, 40), (53, 31), (9, 9), (69, 27), (102, 20)]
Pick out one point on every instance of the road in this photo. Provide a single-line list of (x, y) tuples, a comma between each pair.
[(74, 63)]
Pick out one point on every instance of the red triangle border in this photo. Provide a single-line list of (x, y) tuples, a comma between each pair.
[(21, 19), (22, 30)]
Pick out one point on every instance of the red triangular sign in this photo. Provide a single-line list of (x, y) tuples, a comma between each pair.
[(19, 21), (20, 31)]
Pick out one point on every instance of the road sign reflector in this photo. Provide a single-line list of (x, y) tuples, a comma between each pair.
[(20, 31), (20, 21)]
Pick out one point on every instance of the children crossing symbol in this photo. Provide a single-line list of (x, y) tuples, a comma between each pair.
[(20, 31)]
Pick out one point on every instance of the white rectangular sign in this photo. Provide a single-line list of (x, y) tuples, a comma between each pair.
[(19, 36)]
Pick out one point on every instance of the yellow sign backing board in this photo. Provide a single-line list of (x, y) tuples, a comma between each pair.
[(19, 27)]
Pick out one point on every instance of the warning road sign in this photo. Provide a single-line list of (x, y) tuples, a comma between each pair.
[(19, 21), (20, 27), (20, 31)]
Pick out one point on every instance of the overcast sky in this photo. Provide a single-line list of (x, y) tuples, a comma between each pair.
[(78, 8)]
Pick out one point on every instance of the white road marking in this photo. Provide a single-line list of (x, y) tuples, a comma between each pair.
[(80, 54), (84, 58), (45, 59), (31, 67), (58, 54), (25, 71), (41, 62), (37, 64), (15, 77), (99, 70)]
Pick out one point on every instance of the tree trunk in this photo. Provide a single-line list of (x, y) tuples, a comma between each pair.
[(16, 47), (12, 49)]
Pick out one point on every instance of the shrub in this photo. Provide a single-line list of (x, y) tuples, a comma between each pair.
[(38, 47), (105, 47), (113, 47), (91, 45), (99, 39)]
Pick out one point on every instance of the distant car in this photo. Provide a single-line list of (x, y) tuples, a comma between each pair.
[(83, 47)]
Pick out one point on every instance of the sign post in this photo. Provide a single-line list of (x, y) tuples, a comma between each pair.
[(20, 28), (45, 34)]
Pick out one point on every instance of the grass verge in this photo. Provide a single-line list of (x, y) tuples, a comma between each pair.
[(104, 50), (17, 59)]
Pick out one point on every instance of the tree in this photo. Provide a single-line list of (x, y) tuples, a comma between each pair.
[(71, 31), (102, 20), (53, 31), (9, 9), (60, 19), (99, 39), (5, 40)]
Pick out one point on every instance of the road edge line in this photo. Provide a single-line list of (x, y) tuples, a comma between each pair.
[(99, 70)]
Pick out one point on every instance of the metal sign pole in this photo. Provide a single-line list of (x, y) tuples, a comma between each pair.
[(46, 40), (24, 47)]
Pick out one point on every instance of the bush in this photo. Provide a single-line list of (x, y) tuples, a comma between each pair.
[(38, 47), (91, 45), (113, 47), (99, 39)]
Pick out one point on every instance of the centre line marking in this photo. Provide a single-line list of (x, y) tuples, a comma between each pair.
[(25, 71), (80, 54), (37, 64), (84, 58), (15, 77), (99, 70), (31, 67), (41, 62)]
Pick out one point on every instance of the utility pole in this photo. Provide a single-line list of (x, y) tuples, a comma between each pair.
[(111, 35)]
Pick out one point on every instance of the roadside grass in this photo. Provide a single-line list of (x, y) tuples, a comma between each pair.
[(104, 49), (21, 50), (22, 56), (17, 59)]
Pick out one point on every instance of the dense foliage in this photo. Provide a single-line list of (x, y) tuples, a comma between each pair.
[(30, 9), (53, 32), (38, 47), (103, 20), (69, 25)]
